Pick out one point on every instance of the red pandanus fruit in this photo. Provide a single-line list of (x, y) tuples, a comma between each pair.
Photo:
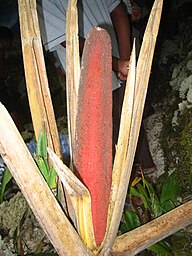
[(93, 151)]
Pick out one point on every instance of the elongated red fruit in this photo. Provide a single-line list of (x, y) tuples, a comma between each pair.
[(93, 152)]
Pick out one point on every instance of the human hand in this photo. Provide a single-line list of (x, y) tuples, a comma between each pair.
[(121, 66)]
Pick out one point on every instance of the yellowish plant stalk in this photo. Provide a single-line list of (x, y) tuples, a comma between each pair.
[(80, 199), (35, 73), (36, 79), (47, 210), (124, 160), (72, 70), (121, 173)]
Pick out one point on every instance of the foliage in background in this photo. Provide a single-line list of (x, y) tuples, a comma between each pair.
[(171, 76), (154, 205), (7, 176), (41, 159), (177, 144), (42, 162), (172, 79)]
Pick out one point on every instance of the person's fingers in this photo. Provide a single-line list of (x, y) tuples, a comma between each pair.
[(121, 76)]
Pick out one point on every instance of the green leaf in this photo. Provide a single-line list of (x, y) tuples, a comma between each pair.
[(155, 204), (52, 178), (7, 176), (123, 228), (41, 149), (42, 167), (38, 148), (170, 189), (133, 191), (144, 197), (131, 219), (180, 234), (159, 248), (42, 162), (167, 206)]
